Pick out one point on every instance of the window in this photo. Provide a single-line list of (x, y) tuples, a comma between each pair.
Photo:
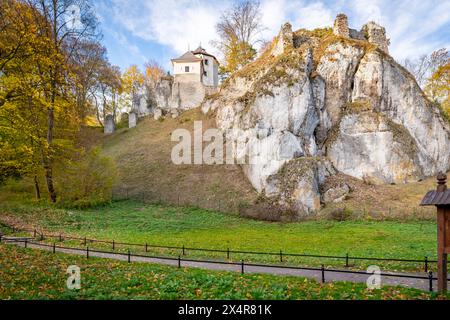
[(206, 62), (186, 69)]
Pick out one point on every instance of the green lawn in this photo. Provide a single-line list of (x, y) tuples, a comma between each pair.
[(27, 274), (138, 223)]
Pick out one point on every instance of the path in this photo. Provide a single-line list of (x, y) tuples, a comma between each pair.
[(387, 280)]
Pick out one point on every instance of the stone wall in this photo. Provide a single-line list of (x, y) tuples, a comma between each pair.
[(284, 40), (163, 92), (341, 26), (376, 34)]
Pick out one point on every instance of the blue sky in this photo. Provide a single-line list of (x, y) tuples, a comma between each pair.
[(136, 31)]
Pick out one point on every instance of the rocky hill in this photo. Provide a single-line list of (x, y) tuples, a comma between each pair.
[(324, 104)]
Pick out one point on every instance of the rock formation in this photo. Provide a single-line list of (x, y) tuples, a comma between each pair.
[(329, 101)]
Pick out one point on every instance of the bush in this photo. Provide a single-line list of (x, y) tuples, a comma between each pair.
[(341, 214), (267, 211), (88, 182)]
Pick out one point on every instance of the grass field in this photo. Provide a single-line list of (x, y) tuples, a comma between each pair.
[(27, 274), (135, 222)]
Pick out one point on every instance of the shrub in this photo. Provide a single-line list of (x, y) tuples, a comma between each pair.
[(267, 211), (341, 214), (88, 182)]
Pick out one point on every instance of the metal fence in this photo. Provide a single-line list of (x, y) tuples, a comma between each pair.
[(129, 255), (228, 252)]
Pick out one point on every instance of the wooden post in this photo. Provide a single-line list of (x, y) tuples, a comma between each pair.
[(442, 218), (441, 199)]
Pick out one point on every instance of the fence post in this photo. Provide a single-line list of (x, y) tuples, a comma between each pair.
[(228, 253), (430, 279), (54, 247), (26, 243), (34, 234), (242, 267), (1, 238), (129, 256), (346, 261), (426, 264), (179, 262), (60, 238), (146, 247), (114, 245), (323, 274), (87, 252), (281, 256)]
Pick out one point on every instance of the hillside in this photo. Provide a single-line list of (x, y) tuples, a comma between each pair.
[(143, 156)]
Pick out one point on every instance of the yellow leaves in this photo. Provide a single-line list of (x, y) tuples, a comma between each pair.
[(438, 86), (132, 77)]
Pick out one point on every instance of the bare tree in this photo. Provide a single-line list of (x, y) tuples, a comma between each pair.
[(423, 67), (239, 30)]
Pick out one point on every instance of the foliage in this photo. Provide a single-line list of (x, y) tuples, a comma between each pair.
[(132, 81), (438, 87), (87, 182), (47, 81), (237, 55), (238, 31)]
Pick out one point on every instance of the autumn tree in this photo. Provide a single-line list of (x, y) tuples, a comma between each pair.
[(63, 23), (110, 88), (438, 87), (153, 74), (132, 84), (87, 65), (238, 32), (42, 45)]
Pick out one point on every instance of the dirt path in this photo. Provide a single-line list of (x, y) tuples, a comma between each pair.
[(387, 279)]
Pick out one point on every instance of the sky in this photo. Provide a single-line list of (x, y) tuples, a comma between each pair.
[(137, 31)]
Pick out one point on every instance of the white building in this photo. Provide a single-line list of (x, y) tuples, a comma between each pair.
[(197, 66)]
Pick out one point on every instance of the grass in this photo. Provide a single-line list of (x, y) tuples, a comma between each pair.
[(37, 275), (145, 168), (134, 222)]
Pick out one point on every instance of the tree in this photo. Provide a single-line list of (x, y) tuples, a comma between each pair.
[(132, 81), (64, 23), (238, 31), (40, 46), (109, 89), (438, 87), (87, 64), (426, 65), (153, 73)]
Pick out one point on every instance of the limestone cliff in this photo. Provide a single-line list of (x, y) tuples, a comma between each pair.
[(321, 102)]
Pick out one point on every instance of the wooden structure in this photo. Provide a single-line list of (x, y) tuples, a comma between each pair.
[(441, 199)]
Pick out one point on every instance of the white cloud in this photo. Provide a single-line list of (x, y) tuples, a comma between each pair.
[(174, 23), (314, 15), (414, 26)]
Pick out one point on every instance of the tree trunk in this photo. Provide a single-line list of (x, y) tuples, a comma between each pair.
[(48, 161), (36, 187)]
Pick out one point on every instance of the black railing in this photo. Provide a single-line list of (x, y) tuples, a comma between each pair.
[(129, 255), (228, 252)]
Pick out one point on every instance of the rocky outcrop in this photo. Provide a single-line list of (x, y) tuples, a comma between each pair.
[(316, 104)]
